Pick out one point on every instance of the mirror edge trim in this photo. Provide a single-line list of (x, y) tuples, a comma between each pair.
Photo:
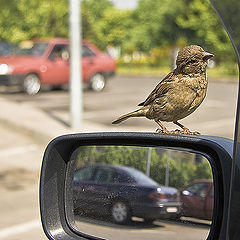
[(54, 171)]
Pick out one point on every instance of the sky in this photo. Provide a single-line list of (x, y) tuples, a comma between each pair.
[(125, 4)]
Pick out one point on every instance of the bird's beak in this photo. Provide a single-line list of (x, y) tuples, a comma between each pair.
[(207, 55)]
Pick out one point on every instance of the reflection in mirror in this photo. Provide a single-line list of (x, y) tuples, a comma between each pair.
[(129, 192)]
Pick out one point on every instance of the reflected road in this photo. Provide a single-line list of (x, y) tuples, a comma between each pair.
[(161, 229)]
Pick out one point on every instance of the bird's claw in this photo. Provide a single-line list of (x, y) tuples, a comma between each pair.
[(177, 131), (159, 130), (165, 131), (188, 132)]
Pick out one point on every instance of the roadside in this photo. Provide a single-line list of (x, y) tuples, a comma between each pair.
[(37, 124), (214, 74), (40, 125), (47, 122), (28, 123)]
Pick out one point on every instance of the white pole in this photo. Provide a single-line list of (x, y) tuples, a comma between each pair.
[(76, 99), (148, 164), (168, 153)]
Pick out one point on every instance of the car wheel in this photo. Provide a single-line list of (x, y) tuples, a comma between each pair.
[(97, 82), (149, 220), (177, 217), (31, 84), (120, 212)]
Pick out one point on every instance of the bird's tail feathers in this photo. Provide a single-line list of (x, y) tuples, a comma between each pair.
[(138, 113)]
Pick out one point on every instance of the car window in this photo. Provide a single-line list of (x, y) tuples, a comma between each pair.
[(87, 52), (140, 178), (35, 49), (60, 51), (6, 49), (106, 175), (198, 188), (84, 174), (212, 192), (126, 178)]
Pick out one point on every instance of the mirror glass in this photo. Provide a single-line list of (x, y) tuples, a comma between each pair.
[(130, 192)]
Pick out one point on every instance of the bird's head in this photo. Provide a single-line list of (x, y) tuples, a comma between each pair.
[(192, 60)]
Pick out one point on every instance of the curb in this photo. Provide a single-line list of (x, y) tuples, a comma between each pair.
[(29, 121), (41, 127)]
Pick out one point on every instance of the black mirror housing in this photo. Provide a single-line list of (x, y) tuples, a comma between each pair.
[(57, 156)]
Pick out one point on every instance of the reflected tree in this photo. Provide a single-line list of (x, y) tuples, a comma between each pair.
[(183, 168)]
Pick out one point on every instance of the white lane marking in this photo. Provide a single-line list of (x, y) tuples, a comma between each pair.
[(18, 150), (21, 228)]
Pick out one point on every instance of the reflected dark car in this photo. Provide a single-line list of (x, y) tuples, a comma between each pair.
[(197, 199), (122, 192)]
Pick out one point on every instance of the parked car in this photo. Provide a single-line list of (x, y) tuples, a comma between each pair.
[(198, 199), (46, 62), (123, 192)]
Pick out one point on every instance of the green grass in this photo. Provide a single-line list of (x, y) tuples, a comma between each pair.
[(143, 70), (218, 73)]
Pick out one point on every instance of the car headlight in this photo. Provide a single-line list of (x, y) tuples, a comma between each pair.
[(5, 69)]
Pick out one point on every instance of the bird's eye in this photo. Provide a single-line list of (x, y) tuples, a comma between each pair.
[(192, 61)]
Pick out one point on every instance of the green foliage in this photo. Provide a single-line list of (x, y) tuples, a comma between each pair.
[(155, 24), (92, 12), (96, 8), (154, 28), (112, 27), (26, 19), (205, 29), (182, 166)]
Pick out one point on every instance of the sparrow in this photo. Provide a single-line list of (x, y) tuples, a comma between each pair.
[(179, 94)]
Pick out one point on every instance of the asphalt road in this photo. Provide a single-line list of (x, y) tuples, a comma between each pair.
[(137, 229), (215, 116), (20, 160), (20, 157)]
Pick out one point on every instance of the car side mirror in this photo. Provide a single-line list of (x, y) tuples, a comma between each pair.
[(105, 165), (186, 193)]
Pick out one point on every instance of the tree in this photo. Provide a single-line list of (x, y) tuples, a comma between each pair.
[(205, 29), (114, 27), (155, 23), (96, 8), (92, 12), (26, 19), (182, 166)]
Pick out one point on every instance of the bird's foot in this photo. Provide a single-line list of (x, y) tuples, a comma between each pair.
[(160, 131), (165, 131), (186, 131), (177, 131)]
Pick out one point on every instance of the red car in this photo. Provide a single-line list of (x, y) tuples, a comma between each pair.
[(46, 62), (197, 199)]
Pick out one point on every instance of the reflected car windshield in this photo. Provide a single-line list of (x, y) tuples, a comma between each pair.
[(36, 50), (197, 187), (139, 177)]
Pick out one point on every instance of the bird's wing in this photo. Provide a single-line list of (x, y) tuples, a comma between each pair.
[(160, 89)]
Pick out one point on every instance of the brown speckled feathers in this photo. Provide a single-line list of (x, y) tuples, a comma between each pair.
[(179, 94)]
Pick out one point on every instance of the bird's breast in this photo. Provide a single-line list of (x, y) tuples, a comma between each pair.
[(181, 100)]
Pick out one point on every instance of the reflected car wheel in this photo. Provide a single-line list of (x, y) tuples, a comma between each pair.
[(97, 82), (149, 221), (120, 212), (31, 84)]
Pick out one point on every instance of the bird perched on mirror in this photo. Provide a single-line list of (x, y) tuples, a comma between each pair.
[(179, 94)]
